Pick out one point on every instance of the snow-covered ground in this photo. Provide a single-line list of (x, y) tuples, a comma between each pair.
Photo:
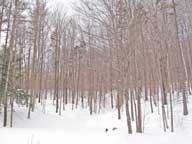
[(78, 126)]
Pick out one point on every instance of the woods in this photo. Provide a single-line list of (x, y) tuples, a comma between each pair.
[(120, 54)]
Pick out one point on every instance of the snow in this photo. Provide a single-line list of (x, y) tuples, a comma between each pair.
[(78, 126)]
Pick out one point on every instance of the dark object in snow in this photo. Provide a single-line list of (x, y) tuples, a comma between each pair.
[(114, 129), (106, 130)]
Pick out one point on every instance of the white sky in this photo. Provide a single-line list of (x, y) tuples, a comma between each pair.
[(65, 4)]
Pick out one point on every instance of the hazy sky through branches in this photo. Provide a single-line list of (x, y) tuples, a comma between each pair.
[(65, 4)]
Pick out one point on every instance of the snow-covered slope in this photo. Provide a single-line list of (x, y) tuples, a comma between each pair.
[(78, 126)]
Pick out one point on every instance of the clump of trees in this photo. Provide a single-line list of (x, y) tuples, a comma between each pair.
[(122, 52)]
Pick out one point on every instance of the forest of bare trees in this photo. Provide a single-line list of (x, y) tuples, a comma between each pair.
[(121, 53)]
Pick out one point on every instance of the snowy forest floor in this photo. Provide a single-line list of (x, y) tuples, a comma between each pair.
[(78, 126)]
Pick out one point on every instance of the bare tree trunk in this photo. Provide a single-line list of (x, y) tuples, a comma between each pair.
[(183, 71), (128, 116)]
